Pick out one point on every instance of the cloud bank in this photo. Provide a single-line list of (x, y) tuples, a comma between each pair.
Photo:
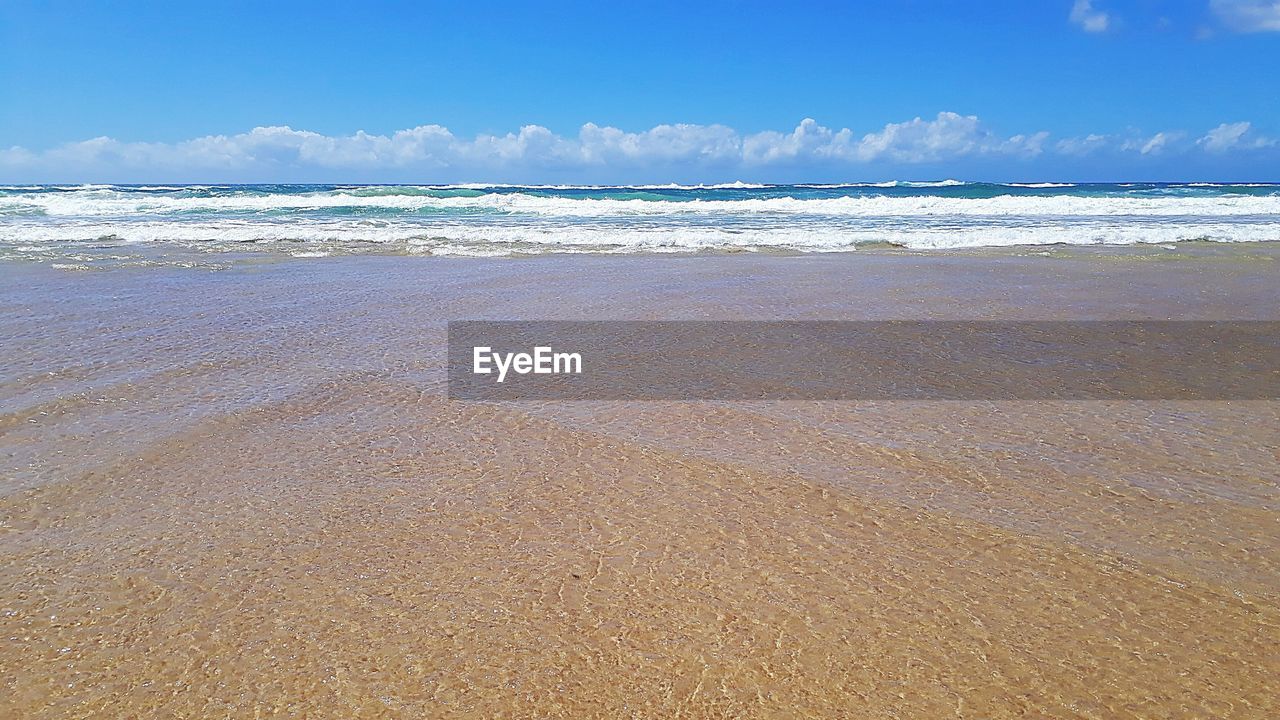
[(435, 150), (433, 153)]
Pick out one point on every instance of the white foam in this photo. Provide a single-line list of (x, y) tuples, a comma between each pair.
[(838, 186), (356, 236), (1224, 185), (357, 219), (736, 185), (933, 183), (119, 204)]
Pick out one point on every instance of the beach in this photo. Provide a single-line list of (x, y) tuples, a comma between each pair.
[(232, 484)]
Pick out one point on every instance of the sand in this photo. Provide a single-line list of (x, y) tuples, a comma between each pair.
[(242, 493)]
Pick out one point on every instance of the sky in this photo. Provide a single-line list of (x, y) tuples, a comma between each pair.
[(712, 91)]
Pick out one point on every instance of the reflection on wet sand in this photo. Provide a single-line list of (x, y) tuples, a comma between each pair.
[(242, 492)]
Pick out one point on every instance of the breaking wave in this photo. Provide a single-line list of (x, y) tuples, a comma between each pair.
[(39, 221)]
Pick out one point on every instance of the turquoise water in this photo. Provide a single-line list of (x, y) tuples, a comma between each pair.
[(52, 222)]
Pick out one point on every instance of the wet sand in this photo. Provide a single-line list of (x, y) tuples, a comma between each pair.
[(242, 493)]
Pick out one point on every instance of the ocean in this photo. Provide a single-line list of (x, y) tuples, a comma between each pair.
[(87, 225)]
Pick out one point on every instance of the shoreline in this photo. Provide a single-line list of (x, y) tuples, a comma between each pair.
[(164, 255)]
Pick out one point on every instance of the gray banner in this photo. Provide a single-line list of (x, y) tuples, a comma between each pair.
[(836, 360)]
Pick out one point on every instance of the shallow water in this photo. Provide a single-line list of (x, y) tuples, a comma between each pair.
[(242, 491)]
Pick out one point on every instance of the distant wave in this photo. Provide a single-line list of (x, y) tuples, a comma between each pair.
[(49, 222), (1226, 185), (888, 184), (142, 204), (939, 183), (837, 186), (737, 185)]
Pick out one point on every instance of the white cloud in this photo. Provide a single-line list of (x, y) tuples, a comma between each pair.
[(808, 140), (1230, 136), (949, 135), (1154, 145), (1088, 18), (705, 143), (1086, 145), (1248, 16), (533, 152), (1224, 137)]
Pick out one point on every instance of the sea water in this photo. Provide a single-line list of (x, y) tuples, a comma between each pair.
[(61, 223)]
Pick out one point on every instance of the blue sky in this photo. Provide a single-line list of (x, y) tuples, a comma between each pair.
[(639, 92)]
